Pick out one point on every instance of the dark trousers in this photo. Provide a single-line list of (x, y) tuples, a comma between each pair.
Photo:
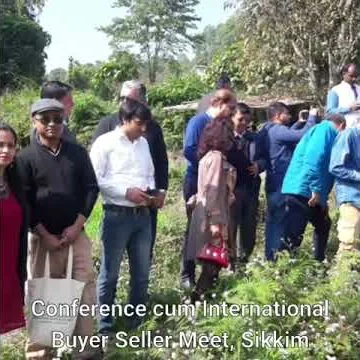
[(244, 215), (187, 267), (298, 214), (274, 225), (153, 219)]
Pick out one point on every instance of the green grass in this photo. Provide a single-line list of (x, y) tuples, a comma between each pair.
[(299, 280)]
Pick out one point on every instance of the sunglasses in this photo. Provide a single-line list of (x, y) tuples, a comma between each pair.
[(47, 119)]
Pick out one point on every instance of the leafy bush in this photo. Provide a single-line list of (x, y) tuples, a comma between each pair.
[(111, 74), (174, 91), (252, 69), (88, 110), (15, 110), (173, 126)]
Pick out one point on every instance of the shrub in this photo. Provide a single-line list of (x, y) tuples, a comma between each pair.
[(88, 110), (15, 110), (174, 91), (173, 126)]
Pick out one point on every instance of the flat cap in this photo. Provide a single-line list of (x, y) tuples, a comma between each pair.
[(43, 105)]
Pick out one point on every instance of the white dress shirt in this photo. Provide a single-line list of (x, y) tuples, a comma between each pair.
[(347, 96), (120, 164)]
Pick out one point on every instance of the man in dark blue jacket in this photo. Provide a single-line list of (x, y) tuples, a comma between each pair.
[(136, 90), (307, 185), (277, 143)]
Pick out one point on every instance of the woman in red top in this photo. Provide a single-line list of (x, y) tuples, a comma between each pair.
[(13, 236)]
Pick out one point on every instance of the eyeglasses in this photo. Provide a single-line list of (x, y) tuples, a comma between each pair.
[(47, 119)]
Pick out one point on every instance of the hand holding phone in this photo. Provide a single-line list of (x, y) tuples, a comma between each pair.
[(303, 115)]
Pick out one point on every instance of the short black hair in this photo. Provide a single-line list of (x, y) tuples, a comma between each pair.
[(243, 108), (131, 108), (223, 82), (276, 108), (54, 90)]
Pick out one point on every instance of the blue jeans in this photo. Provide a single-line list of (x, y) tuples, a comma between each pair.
[(274, 226), (122, 230)]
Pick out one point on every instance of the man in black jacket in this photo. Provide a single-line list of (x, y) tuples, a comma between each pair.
[(244, 211), (136, 90), (61, 190), (61, 92)]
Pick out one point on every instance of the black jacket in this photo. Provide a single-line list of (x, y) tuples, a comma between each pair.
[(241, 156), (155, 138)]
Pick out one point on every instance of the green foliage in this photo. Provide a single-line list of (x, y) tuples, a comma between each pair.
[(22, 43), (88, 110), (107, 79), (15, 110), (215, 39), (159, 28), (173, 126), (174, 91), (81, 75), (28, 8), (226, 61), (316, 37), (252, 69)]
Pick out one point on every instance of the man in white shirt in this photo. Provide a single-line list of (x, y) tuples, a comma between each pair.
[(125, 173), (344, 98)]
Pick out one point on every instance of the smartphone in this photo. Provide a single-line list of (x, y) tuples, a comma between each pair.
[(304, 114), (152, 192)]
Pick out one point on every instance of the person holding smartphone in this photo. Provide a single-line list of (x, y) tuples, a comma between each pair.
[(125, 172)]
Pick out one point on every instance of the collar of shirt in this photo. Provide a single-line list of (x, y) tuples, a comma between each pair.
[(120, 131), (51, 151)]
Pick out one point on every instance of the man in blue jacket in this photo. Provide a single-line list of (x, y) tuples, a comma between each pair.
[(307, 185), (276, 143), (345, 166)]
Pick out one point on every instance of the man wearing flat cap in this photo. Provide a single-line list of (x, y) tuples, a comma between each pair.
[(136, 90), (61, 189), (62, 93)]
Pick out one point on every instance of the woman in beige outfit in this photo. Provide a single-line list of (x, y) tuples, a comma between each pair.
[(216, 181)]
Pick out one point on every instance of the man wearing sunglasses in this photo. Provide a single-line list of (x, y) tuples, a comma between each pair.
[(136, 90), (61, 189), (62, 92)]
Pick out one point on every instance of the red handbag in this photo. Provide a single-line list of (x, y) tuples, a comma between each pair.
[(218, 255)]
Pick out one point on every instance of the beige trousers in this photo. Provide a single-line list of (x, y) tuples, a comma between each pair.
[(82, 271), (348, 227)]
